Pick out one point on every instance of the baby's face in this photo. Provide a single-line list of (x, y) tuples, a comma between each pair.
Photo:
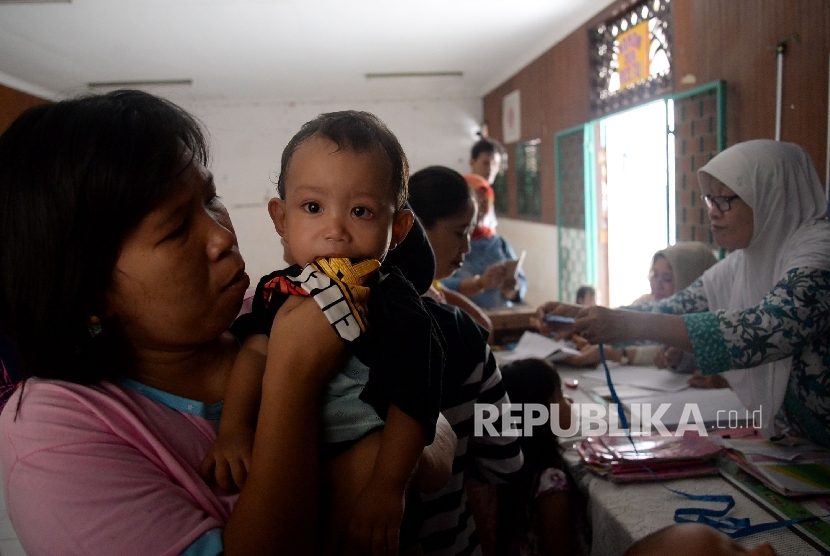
[(338, 203)]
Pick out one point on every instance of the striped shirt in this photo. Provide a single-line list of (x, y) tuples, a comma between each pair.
[(470, 376)]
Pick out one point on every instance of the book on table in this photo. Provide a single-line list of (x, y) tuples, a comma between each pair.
[(790, 467)]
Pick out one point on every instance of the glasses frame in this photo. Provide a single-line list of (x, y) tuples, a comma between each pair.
[(722, 202)]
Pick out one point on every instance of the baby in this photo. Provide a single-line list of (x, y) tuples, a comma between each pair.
[(341, 207)]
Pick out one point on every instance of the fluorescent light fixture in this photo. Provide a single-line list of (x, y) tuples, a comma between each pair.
[(398, 74), (146, 83)]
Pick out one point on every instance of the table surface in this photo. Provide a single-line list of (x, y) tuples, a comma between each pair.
[(621, 514)]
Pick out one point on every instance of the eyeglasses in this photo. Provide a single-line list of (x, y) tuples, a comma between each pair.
[(724, 204)]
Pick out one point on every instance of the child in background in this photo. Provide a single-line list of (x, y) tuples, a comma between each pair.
[(536, 515), (341, 207), (586, 295)]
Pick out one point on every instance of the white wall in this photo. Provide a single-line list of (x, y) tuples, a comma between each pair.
[(541, 262), (247, 141)]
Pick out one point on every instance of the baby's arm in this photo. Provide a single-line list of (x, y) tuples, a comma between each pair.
[(229, 459), (375, 527)]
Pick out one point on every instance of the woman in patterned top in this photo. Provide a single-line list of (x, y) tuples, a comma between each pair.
[(761, 316)]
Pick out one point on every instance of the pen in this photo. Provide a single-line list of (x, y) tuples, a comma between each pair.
[(559, 319)]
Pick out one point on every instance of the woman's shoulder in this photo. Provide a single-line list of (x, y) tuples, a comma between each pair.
[(41, 402)]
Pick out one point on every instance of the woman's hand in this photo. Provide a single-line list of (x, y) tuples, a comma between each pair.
[(668, 357), (494, 276), (375, 526), (302, 334), (557, 309), (589, 357)]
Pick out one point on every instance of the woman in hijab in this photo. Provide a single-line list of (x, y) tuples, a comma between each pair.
[(675, 268), (761, 316), (489, 275)]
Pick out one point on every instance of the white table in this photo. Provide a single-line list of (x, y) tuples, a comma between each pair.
[(621, 514)]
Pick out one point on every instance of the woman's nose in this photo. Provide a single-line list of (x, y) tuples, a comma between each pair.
[(714, 212), (221, 235)]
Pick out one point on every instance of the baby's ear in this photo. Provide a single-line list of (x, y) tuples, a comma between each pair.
[(276, 208), (401, 226)]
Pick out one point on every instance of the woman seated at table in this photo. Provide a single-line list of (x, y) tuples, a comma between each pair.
[(448, 214), (672, 269), (761, 316), (121, 275), (488, 276)]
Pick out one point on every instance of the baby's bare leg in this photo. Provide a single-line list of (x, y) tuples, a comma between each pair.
[(345, 477)]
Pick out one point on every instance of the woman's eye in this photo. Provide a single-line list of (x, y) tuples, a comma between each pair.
[(361, 212), (312, 207)]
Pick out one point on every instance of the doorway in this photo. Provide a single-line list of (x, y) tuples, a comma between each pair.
[(635, 152)]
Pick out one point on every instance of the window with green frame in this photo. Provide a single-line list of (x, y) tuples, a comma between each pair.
[(501, 204), (528, 184)]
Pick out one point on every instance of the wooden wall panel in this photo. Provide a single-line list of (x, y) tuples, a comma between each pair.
[(13, 103), (731, 40)]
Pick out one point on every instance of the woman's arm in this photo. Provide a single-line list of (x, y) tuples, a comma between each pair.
[(690, 300), (794, 313), (276, 513)]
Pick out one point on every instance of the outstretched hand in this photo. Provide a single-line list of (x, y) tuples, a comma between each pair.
[(558, 309)]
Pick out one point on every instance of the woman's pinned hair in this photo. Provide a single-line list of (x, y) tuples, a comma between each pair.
[(437, 192), (76, 177)]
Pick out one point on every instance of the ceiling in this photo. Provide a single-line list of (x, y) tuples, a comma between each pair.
[(280, 50)]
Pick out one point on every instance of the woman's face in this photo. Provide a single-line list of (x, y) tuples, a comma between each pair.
[(179, 279), (450, 240), (661, 279), (731, 229)]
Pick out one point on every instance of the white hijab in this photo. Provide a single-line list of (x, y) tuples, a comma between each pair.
[(779, 182)]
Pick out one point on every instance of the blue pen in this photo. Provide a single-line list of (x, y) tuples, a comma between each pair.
[(559, 319)]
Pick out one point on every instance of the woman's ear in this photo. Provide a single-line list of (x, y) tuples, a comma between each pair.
[(401, 226), (276, 208)]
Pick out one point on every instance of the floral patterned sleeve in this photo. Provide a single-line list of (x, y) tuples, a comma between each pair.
[(691, 300), (789, 318)]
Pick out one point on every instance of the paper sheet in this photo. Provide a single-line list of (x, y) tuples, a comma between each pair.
[(715, 405), (535, 345), (650, 378)]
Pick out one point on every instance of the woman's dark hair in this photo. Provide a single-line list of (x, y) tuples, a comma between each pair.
[(75, 178), (358, 131), (528, 381), (438, 192)]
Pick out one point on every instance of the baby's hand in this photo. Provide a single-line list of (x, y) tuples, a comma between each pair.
[(376, 525), (229, 459)]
